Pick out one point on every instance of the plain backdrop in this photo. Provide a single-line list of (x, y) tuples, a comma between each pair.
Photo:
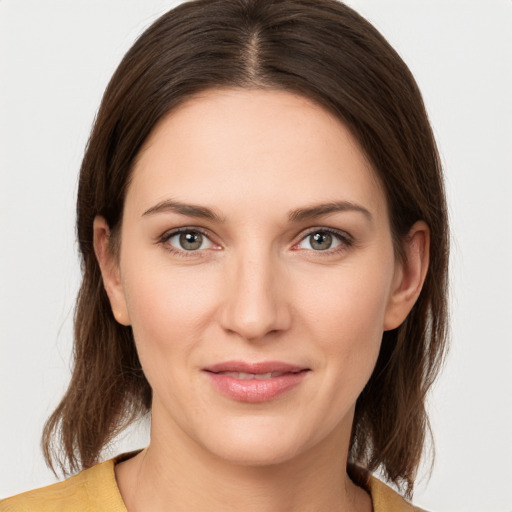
[(56, 57)]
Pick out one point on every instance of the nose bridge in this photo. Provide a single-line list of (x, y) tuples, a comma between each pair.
[(255, 306)]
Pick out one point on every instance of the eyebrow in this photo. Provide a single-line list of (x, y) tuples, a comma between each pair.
[(301, 214), (297, 215), (190, 210)]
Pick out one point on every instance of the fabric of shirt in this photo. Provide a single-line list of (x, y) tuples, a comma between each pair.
[(95, 490)]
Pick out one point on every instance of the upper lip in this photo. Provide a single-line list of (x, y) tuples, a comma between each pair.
[(255, 368)]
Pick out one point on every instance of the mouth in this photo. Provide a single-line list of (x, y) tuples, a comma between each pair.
[(254, 382), (250, 376)]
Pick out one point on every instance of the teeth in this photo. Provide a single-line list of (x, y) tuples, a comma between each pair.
[(250, 376), (263, 376)]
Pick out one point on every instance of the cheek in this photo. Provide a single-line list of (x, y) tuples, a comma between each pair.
[(169, 308), (345, 313), (351, 301)]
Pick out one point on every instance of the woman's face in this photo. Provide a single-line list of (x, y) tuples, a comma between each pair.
[(257, 272)]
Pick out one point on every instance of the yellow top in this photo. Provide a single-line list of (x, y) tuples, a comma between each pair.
[(95, 490)]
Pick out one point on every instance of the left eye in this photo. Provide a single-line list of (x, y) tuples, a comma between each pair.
[(320, 241), (190, 240)]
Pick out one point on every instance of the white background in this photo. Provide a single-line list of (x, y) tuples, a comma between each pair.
[(56, 57)]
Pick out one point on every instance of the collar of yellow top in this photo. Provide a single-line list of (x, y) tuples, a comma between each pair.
[(95, 490), (384, 498)]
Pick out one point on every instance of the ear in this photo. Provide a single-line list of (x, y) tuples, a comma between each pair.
[(109, 266), (409, 275)]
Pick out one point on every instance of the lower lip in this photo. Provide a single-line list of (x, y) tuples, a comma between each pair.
[(255, 391)]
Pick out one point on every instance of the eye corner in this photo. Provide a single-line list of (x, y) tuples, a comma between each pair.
[(199, 242), (336, 241)]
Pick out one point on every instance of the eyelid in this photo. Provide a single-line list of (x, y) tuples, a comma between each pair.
[(165, 237), (346, 240), (184, 229)]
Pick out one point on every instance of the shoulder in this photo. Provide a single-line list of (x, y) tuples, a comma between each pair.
[(91, 490), (386, 499)]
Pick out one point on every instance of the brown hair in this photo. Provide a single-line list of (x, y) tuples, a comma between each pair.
[(325, 51)]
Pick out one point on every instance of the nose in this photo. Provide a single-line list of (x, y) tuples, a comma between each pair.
[(255, 305)]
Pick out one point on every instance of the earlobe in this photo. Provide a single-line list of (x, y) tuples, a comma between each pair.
[(109, 266), (409, 275)]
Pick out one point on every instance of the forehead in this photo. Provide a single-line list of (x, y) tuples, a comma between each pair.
[(259, 146)]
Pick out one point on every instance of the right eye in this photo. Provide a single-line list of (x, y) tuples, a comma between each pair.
[(188, 240)]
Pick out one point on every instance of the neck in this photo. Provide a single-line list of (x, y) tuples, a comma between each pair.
[(183, 474)]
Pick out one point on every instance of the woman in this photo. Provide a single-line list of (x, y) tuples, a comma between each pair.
[(263, 229)]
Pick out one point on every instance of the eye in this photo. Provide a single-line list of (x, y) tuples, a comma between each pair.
[(323, 240), (189, 240)]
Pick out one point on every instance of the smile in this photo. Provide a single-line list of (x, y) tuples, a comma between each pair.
[(254, 383), (250, 376)]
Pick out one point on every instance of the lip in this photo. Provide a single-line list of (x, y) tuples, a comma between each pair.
[(254, 390)]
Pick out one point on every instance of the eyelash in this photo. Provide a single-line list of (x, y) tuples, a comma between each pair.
[(164, 241), (346, 241)]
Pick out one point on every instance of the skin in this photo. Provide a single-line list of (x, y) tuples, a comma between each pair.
[(255, 290)]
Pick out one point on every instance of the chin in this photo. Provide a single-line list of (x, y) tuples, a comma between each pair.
[(256, 454), (258, 442)]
